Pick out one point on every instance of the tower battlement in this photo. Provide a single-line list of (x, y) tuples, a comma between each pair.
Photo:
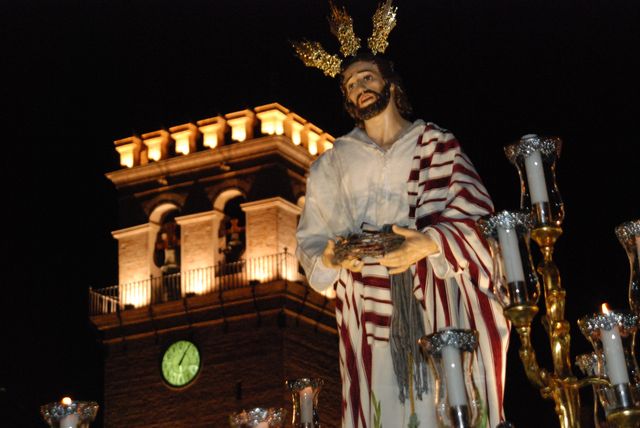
[(214, 132)]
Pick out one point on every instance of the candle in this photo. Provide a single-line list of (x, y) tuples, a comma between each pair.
[(68, 421), (453, 376), (306, 405), (511, 254), (535, 178), (615, 363), (263, 425)]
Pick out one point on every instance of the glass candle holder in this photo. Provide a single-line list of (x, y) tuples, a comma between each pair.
[(258, 417), (508, 234), (451, 353), (612, 334), (629, 236), (69, 414), (304, 397), (592, 365), (535, 158)]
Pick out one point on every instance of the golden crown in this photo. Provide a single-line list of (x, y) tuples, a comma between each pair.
[(313, 54)]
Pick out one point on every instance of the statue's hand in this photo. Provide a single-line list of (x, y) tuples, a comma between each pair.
[(416, 246), (328, 255)]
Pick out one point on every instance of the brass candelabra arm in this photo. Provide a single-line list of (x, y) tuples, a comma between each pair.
[(626, 418), (561, 386), (593, 380), (521, 317), (555, 324)]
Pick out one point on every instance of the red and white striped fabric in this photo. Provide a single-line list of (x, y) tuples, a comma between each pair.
[(446, 196)]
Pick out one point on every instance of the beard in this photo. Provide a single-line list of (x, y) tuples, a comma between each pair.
[(361, 114)]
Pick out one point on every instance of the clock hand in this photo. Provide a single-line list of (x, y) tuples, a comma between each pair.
[(184, 354)]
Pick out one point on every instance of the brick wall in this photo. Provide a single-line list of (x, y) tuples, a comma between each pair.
[(270, 226), (133, 254), (242, 367), (199, 239)]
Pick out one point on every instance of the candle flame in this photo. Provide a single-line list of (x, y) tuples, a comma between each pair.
[(67, 401), (605, 309)]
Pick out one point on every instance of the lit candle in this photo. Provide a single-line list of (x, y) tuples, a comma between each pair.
[(615, 363), (69, 421), (306, 405), (511, 254), (453, 376), (535, 178)]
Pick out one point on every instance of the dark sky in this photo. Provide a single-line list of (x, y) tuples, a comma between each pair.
[(79, 74)]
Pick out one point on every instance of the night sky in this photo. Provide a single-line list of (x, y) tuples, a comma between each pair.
[(78, 75)]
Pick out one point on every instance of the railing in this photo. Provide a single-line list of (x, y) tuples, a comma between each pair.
[(211, 279)]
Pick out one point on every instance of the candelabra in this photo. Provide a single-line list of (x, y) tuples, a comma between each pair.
[(518, 289), (451, 355), (258, 417), (304, 397), (69, 413), (629, 236)]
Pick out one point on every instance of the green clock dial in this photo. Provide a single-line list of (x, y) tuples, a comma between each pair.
[(180, 363)]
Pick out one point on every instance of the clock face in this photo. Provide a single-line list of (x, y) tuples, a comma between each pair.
[(180, 363)]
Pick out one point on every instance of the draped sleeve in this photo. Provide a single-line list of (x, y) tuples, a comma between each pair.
[(446, 198), (325, 215)]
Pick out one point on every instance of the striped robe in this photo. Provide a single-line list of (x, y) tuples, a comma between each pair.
[(445, 196)]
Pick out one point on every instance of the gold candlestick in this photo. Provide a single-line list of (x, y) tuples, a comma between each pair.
[(562, 384), (535, 158), (518, 290)]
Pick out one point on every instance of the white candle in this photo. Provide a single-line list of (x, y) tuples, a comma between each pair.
[(306, 405), (614, 356), (69, 421), (454, 377), (535, 178), (511, 254)]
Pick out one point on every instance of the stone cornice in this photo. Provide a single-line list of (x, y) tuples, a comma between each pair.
[(237, 152)]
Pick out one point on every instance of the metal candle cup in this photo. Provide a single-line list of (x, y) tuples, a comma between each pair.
[(451, 354), (628, 234), (304, 396), (612, 336), (535, 158), (508, 234), (69, 413), (258, 417)]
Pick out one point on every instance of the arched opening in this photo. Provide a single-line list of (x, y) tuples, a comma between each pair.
[(231, 235)]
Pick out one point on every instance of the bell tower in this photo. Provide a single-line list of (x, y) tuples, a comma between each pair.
[(211, 313)]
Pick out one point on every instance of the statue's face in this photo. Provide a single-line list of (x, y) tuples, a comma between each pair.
[(363, 83), (367, 92)]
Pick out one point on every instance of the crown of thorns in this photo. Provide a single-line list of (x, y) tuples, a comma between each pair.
[(313, 54)]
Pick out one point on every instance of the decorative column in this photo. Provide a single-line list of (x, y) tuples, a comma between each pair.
[(272, 117), (212, 130), (184, 137), (311, 137), (241, 124), (293, 128), (134, 266), (157, 144), (129, 149), (199, 250), (270, 229)]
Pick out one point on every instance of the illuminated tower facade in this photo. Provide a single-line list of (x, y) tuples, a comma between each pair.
[(211, 313)]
